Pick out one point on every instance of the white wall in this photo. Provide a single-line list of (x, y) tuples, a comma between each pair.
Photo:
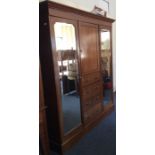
[(88, 5), (112, 14)]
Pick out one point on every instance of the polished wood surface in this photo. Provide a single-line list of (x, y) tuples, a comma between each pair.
[(91, 113), (90, 78), (75, 13), (89, 48), (54, 116), (92, 95), (90, 71), (87, 27)]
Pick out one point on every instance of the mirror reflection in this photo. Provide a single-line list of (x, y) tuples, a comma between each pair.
[(68, 74), (106, 67)]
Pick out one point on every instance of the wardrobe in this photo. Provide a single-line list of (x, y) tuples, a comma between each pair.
[(75, 49)]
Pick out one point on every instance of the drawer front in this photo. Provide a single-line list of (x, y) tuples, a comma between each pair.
[(91, 78), (87, 92), (97, 99), (96, 88), (92, 113), (91, 90), (91, 102)]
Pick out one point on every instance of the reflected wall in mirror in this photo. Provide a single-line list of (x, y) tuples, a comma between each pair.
[(65, 38), (106, 68)]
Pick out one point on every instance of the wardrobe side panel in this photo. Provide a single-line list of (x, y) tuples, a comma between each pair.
[(46, 59)]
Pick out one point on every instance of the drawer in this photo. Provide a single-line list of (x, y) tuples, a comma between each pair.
[(91, 90), (96, 88), (87, 92), (90, 78), (87, 104), (93, 112), (91, 102), (97, 99)]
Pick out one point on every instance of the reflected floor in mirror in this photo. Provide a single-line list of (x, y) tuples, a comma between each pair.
[(107, 96), (71, 111), (99, 141)]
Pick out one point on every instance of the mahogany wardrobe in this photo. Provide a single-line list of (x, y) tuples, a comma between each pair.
[(75, 49)]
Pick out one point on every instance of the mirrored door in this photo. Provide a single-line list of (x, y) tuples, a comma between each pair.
[(67, 63), (106, 65)]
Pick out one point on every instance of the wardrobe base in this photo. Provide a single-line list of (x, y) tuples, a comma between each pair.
[(68, 143)]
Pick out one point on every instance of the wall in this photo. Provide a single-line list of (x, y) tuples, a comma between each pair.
[(88, 5), (112, 14)]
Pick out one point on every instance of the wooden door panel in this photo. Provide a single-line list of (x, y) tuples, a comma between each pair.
[(89, 47)]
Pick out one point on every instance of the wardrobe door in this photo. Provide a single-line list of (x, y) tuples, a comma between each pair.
[(89, 48), (91, 90), (65, 55)]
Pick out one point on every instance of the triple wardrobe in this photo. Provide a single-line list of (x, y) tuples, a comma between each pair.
[(76, 63)]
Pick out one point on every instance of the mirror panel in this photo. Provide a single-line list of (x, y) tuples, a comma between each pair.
[(66, 50), (106, 66)]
